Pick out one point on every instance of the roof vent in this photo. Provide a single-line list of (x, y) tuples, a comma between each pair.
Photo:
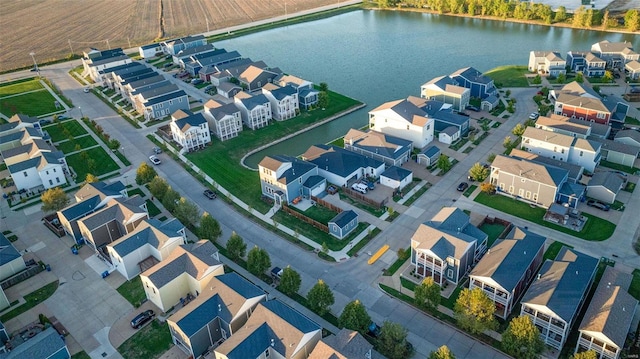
[(525, 253), (219, 308), (538, 275), (608, 284), (273, 342)]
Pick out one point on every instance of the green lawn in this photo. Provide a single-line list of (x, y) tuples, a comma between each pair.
[(20, 86), (31, 104), (81, 355), (133, 291), (221, 160), (136, 191), (417, 194), (101, 163), (399, 262), (152, 208), (615, 166), (149, 342), (32, 299), (70, 145), (629, 187), (509, 76), (596, 229), (319, 213), (634, 289), (492, 230), (470, 190), (554, 249), (62, 130)]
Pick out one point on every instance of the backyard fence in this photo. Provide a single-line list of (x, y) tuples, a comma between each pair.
[(326, 204), (362, 198), (302, 217)]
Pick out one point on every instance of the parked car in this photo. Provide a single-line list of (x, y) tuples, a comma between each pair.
[(44, 121), (472, 108), (360, 187), (157, 150), (155, 160), (462, 186), (196, 81), (86, 90), (210, 194), (370, 184), (534, 116), (63, 117), (616, 75), (598, 205), (142, 318)]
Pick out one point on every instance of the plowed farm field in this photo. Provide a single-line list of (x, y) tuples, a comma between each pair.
[(53, 28)]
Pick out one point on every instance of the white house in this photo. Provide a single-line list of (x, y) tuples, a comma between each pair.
[(341, 167), (284, 101), (225, 121), (35, 163), (396, 177), (255, 109), (547, 62), (447, 90), (403, 119), (574, 150), (449, 135), (189, 131), (96, 61)]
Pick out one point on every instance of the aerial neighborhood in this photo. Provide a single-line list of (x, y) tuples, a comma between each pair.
[(146, 214)]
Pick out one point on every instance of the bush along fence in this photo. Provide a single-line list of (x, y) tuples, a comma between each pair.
[(302, 217)]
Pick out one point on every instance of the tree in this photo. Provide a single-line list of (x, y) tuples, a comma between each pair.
[(561, 14), (518, 130), (579, 77), (144, 174), (562, 78), (209, 227), (427, 294), (478, 172), (187, 212), (54, 199), (324, 87), (323, 99), (114, 144), (632, 20), (474, 311), (289, 281), (487, 188), (355, 317), (443, 163), (605, 20), (537, 80), (442, 353), (90, 178), (158, 187), (608, 76), (522, 339), (392, 341), (236, 248), (258, 261), (320, 298), (589, 354), (170, 199), (491, 157), (507, 143)]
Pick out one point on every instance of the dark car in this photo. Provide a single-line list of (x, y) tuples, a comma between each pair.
[(142, 318), (616, 75), (598, 205), (210, 194), (462, 186), (472, 108)]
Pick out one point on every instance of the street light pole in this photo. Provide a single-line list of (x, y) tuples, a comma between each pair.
[(35, 64), (81, 115)]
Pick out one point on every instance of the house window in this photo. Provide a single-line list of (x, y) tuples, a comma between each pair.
[(25, 173), (50, 183), (521, 192), (601, 115), (535, 196), (523, 180), (581, 153), (407, 127), (450, 273), (57, 180), (54, 170), (511, 189), (528, 195)]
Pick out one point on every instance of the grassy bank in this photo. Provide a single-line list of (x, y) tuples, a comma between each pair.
[(509, 76)]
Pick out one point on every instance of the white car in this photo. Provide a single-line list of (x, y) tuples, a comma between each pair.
[(155, 160), (534, 116), (86, 90)]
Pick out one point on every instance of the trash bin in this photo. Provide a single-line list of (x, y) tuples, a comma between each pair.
[(74, 250), (105, 274), (48, 268)]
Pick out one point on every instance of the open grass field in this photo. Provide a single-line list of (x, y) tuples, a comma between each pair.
[(63, 130), (509, 76), (135, 22), (16, 87), (96, 161), (32, 104), (70, 145)]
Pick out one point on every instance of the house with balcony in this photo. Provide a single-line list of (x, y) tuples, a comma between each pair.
[(285, 178), (481, 86), (575, 172), (578, 101), (609, 317), (548, 63), (391, 150), (174, 46), (446, 90), (447, 247), (35, 163), (307, 94), (225, 120), (403, 119), (216, 314), (189, 130), (594, 66), (557, 294), (559, 124), (507, 269), (555, 145), (284, 101), (254, 109), (341, 167), (95, 61), (183, 275), (346, 344), (616, 54)]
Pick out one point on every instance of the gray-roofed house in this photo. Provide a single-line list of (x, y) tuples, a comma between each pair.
[(150, 50), (554, 299), (11, 261), (341, 225), (218, 57), (255, 109), (174, 46), (559, 124), (228, 89), (628, 137), (342, 167), (185, 273), (489, 103), (508, 267), (393, 151), (216, 314), (396, 177), (449, 135), (225, 120), (594, 66), (346, 344), (283, 177), (253, 78), (527, 180), (429, 156), (184, 55), (403, 119), (273, 328), (575, 171), (555, 145), (447, 90), (615, 53), (446, 247), (151, 242), (284, 101), (481, 86), (632, 68), (47, 344), (606, 323), (307, 94), (605, 186), (582, 102), (616, 152), (189, 130), (96, 61)]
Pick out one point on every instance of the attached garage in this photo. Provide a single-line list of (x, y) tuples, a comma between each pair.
[(604, 186), (396, 177), (314, 186)]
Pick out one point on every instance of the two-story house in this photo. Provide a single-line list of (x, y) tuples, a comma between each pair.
[(284, 101), (393, 151), (578, 101), (95, 61), (173, 46), (346, 344), (559, 124), (481, 86), (253, 78), (35, 164), (254, 109), (594, 66), (547, 62), (225, 120), (403, 119), (283, 178), (616, 54), (446, 247), (445, 89), (307, 94), (342, 167), (555, 145), (191, 131)]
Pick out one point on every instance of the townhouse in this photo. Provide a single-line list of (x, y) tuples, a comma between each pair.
[(174, 46), (219, 57), (225, 120), (393, 151), (616, 54), (403, 119), (254, 109), (284, 101), (95, 61), (555, 145), (577, 101)]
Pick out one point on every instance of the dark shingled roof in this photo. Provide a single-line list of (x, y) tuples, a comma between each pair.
[(150, 232), (193, 259), (431, 151), (7, 251), (224, 110), (298, 167), (165, 98), (192, 120), (43, 345), (254, 101), (283, 92), (343, 218), (338, 160), (396, 173)]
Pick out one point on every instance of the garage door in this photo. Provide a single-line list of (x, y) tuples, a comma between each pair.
[(316, 191)]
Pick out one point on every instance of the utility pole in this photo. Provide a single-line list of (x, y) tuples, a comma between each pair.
[(35, 64), (129, 41), (108, 47), (71, 47), (207, 19)]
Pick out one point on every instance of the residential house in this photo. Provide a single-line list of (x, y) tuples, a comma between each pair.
[(172, 47), (554, 299), (559, 124), (253, 78), (113, 76), (223, 307), (273, 330), (391, 150), (47, 344), (191, 131), (632, 68), (594, 66), (578, 101), (396, 177), (4, 338), (617, 152), (342, 167), (150, 50), (481, 86), (307, 94), (158, 102), (606, 323), (218, 57), (598, 130), (446, 90), (526, 180), (18, 128), (403, 119), (446, 247), (547, 63), (283, 178), (628, 137), (344, 223), (555, 145), (11, 262), (429, 156), (134, 94), (118, 217), (222, 73), (184, 56), (35, 164), (225, 120), (152, 241), (617, 54), (95, 61), (228, 90), (255, 109), (507, 269), (605, 186), (90, 198), (346, 344), (184, 274), (128, 86), (575, 172), (284, 101)]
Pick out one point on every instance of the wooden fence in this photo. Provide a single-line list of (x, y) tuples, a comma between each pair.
[(362, 198), (326, 204), (302, 217), (24, 275)]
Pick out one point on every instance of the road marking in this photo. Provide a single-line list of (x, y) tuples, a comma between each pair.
[(378, 254)]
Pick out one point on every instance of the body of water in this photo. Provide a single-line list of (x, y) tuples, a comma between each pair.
[(380, 56)]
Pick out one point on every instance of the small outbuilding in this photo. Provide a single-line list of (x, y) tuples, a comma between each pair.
[(396, 177), (429, 156), (342, 224), (605, 186), (449, 135), (489, 103)]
